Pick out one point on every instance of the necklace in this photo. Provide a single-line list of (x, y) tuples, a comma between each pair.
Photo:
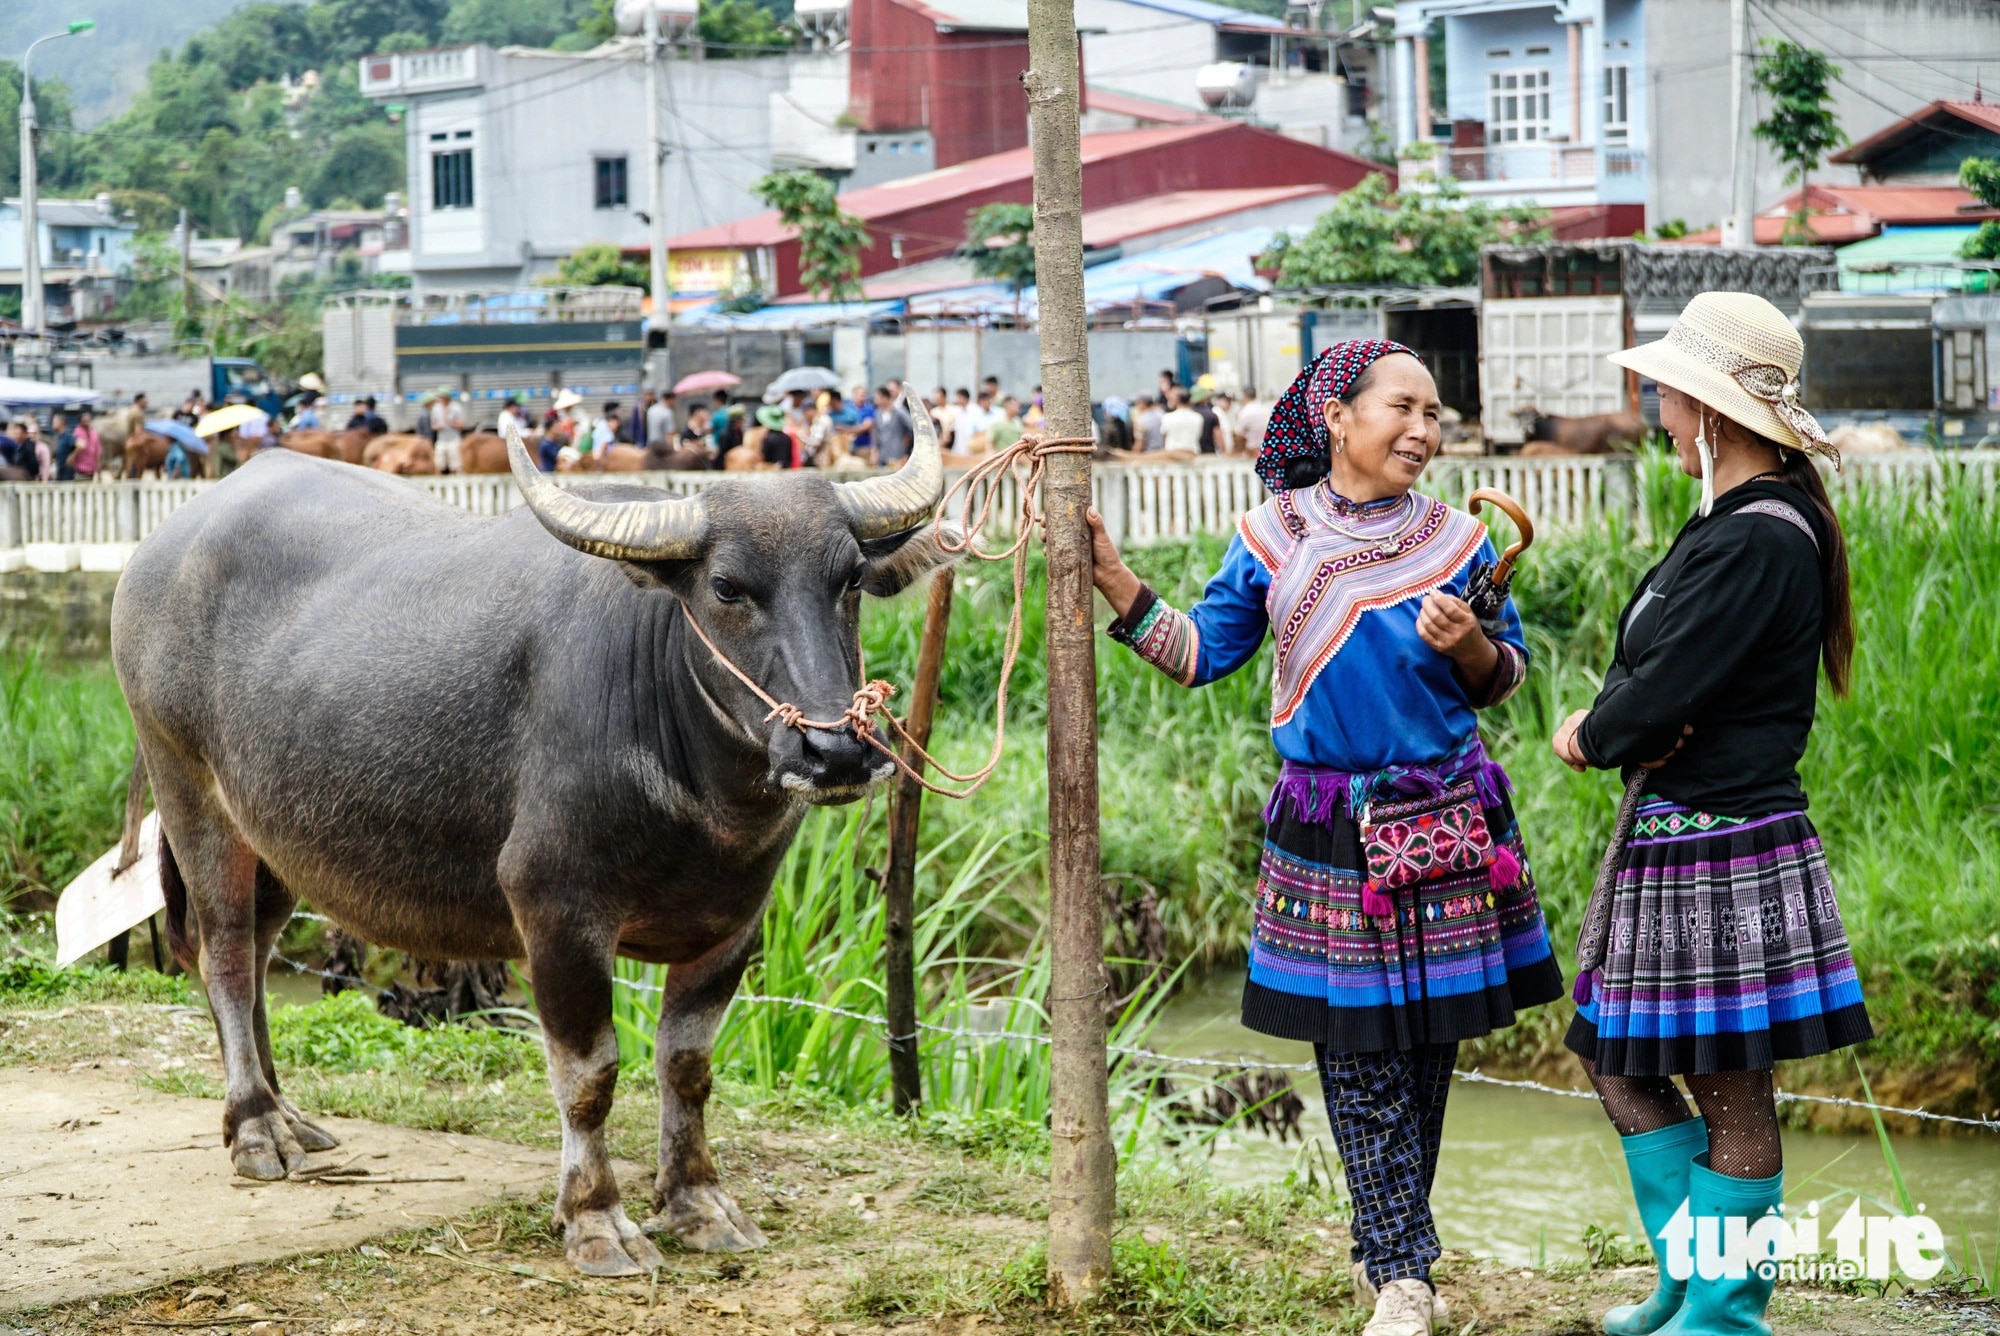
[(1774, 475), (1384, 547)]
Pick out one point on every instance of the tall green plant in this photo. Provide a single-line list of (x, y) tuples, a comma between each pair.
[(830, 239), (1000, 238), (1373, 234), (1801, 127), (1982, 177)]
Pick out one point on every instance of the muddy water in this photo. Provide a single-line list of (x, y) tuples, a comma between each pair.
[(1522, 1173)]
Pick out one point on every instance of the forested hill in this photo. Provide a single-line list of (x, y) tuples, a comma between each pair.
[(104, 70)]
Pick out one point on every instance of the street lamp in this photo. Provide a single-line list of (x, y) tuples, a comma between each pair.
[(31, 248)]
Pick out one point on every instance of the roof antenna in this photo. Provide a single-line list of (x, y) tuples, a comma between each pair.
[(1978, 92)]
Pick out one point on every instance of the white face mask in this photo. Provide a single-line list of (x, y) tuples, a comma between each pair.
[(1707, 454)]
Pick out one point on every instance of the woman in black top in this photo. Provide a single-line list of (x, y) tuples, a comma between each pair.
[(1722, 949)]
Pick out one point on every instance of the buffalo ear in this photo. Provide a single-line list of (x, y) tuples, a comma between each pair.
[(900, 560)]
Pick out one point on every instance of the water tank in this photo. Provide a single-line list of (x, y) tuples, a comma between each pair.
[(630, 15), (1226, 83)]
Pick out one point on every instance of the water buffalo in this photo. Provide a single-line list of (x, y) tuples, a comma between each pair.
[(580, 779), (146, 452), (1598, 434), (403, 453), (482, 452)]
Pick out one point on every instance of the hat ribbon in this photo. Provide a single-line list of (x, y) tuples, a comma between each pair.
[(1764, 381)]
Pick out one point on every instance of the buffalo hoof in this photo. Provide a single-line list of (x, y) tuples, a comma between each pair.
[(705, 1219), (607, 1243), (265, 1149), (305, 1131)]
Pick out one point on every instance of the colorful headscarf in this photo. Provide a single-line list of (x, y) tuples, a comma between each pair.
[(1297, 430)]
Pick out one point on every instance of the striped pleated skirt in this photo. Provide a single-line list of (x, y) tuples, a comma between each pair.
[(1726, 950)]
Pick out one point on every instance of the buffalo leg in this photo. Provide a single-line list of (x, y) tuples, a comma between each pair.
[(688, 1200), (219, 869), (274, 910), (573, 988)]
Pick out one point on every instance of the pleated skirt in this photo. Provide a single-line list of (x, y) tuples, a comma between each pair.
[(1459, 958), (1726, 950)]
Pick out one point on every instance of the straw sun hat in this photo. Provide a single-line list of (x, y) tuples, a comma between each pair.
[(1738, 354)]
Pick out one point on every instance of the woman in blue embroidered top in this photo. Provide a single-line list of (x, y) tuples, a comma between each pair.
[(1395, 912)]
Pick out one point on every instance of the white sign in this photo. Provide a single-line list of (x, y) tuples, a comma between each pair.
[(97, 906)]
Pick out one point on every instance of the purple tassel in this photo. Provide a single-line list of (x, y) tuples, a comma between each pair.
[(1586, 984), (1505, 869), (1374, 903)]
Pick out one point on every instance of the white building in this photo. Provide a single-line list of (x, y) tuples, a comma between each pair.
[(518, 157)]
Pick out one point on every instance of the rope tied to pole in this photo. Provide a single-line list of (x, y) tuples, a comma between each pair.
[(1025, 461)]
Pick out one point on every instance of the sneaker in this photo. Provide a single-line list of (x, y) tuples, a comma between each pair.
[(1403, 1308), (1365, 1293)]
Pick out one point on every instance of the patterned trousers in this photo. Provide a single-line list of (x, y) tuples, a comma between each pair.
[(1387, 1111)]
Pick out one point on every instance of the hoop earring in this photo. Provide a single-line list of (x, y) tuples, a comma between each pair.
[(1707, 454), (1340, 443)]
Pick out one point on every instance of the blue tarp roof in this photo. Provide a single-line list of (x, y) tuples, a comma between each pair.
[(791, 315), (1149, 276)]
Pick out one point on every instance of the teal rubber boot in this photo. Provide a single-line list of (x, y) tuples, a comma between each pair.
[(1658, 1162), (1727, 1307)]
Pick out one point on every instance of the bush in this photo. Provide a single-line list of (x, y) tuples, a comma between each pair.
[(345, 1033)]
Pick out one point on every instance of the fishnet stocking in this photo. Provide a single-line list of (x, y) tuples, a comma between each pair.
[(1638, 1104), (1742, 1123)]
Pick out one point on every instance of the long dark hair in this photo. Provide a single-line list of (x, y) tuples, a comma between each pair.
[(1836, 641)]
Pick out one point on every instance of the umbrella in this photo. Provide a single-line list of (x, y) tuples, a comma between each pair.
[(227, 419), (1486, 591), (16, 392), (178, 431), (806, 378), (706, 380)]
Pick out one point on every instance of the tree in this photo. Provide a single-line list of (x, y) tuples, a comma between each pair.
[(1801, 127), (1982, 177), (740, 28), (600, 264), (512, 22), (830, 239), (1000, 238), (1373, 234)]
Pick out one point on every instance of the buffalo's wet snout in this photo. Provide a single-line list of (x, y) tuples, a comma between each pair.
[(826, 766)]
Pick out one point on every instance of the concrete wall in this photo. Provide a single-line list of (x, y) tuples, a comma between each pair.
[(1896, 55), (1145, 51)]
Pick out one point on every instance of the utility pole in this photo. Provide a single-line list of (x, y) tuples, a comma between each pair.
[(187, 307), (656, 176), (33, 317), (1740, 229), (1082, 1164)]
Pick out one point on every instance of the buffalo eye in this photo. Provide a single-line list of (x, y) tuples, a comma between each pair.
[(725, 592), (854, 580)]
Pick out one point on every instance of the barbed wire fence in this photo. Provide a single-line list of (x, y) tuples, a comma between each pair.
[(1212, 1063)]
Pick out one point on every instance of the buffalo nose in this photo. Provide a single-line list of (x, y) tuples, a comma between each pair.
[(834, 757)]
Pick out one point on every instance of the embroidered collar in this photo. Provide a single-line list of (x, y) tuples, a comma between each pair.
[(1332, 502), (1325, 575)]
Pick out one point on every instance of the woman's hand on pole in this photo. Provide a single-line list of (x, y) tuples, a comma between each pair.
[(1449, 626), (1114, 579), (1565, 745)]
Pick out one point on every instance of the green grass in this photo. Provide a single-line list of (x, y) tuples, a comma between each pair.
[(1904, 778)]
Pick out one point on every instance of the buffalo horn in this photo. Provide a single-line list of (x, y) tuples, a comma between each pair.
[(909, 496), (621, 530)]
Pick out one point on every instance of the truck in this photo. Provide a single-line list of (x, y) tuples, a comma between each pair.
[(529, 344), (121, 372)]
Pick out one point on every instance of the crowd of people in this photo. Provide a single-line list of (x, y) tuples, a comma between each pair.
[(864, 429)]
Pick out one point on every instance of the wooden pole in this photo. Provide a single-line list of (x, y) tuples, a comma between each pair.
[(1082, 1167), (899, 883)]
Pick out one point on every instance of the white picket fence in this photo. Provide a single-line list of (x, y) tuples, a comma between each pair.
[(67, 526)]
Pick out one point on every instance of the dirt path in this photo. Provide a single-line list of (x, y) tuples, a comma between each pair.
[(108, 1187)]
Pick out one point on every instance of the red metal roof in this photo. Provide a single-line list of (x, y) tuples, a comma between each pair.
[(1986, 115), (1179, 208), (1144, 108), (928, 212), (1841, 213)]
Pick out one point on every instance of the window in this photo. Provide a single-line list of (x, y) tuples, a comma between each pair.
[(611, 189), (1519, 106), (1617, 123), (451, 179), (1534, 51)]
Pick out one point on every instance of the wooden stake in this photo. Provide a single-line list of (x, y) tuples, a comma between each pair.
[(899, 882), (1082, 1166)]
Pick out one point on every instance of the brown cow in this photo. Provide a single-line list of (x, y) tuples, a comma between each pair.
[(314, 441), (401, 453), (1598, 434), (482, 452), (146, 452)]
